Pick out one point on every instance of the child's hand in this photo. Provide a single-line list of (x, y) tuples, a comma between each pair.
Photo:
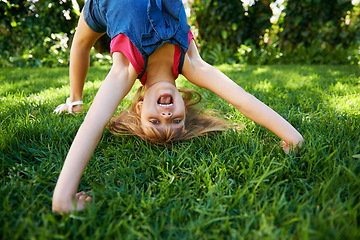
[(78, 203), (81, 198), (287, 147)]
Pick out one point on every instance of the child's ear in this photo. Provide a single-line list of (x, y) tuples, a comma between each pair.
[(138, 107)]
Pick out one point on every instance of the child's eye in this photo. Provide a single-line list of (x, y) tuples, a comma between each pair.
[(154, 122), (177, 121)]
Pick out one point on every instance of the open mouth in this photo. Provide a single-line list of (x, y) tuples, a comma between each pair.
[(165, 100)]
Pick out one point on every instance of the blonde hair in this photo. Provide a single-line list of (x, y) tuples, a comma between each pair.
[(197, 123)]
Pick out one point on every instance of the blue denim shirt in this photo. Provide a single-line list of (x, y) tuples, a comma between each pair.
[(147, 23)]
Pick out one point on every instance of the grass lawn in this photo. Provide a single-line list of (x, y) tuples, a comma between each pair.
[(236, 185)]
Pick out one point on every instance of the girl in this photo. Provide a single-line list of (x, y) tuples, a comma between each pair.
[(151, 41)]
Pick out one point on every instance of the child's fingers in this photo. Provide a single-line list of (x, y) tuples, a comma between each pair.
[(88, 199), (81, 199), (84, 196), (77, 195)]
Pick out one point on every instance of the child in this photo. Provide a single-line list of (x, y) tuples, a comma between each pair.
[(152, 41)]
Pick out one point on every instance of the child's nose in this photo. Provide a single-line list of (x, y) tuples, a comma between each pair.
[(166, 114)]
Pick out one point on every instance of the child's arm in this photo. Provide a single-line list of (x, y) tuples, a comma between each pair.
[(114, 88), (204, 75), (84, 40)]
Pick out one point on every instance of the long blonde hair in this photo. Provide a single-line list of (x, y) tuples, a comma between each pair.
[(197, 123)]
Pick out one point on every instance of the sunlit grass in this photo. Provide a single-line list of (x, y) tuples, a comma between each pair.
[(236, 185)]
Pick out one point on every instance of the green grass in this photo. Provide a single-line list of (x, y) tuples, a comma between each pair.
[(237, 185)]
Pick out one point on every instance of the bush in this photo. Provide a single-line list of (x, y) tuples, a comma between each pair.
[(317, 31), (38, 32), (311, 32), (224, 25), (35, 33), (324, 22)]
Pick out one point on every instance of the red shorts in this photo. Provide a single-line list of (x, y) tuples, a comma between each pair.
[(121, 43)]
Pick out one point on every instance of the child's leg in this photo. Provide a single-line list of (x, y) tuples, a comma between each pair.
[(82, 43)]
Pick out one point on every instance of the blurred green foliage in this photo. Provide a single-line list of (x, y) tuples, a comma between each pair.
[(317, 20), (224, 25), (309, 31), (35, 33), (318, 31)]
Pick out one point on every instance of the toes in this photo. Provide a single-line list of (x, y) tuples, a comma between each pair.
[(59, 109)]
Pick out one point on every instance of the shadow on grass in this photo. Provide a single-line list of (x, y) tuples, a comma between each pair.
[(31, 81)]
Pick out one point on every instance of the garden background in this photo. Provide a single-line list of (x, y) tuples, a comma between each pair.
[(300, 57), (38, 32)]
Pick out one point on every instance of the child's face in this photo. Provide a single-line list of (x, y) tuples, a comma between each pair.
[(162, 108)]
